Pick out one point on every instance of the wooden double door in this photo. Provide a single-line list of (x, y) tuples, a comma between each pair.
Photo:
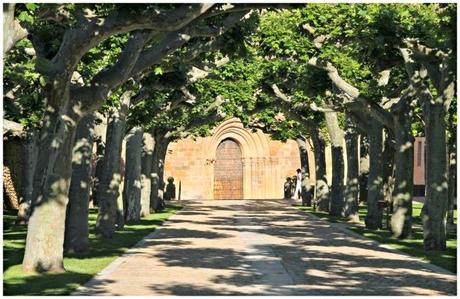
[(228, 171)]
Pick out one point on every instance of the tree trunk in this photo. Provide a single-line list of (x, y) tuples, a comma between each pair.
[(305, 170), (121, 206), (132, 186), (363, 168), (76, 227), (452, 176), (435, 207), (401, 219), (351, 193), (159, 154), (30, 151), (45, 232), (336, 135), (321, 188), (100, 131), (373, 218), (110, 179), (388, 157), (146, 173)]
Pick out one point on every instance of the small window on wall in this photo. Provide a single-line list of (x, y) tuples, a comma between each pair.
[(419, 154)]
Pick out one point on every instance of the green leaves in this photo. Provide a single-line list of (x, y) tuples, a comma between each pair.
[(31, 6), (158, 70), (26, 17)]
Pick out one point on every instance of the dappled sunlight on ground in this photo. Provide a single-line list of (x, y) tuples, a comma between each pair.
[(262, 248)]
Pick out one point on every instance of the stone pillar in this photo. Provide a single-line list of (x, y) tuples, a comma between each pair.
[(254, 190), (275, 186), (247, 178), (260, 177), (264, 178)]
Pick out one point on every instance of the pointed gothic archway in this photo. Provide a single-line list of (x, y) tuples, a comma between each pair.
[(228, 171)]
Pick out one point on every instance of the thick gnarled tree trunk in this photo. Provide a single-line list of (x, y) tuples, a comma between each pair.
[(439, 69), (45, 231), (132, 186), (305, 170), (363, 167), (435, 207), (100, 131), (351, 194), (452, 178), (30, 151), (373, 218), (336, 135), (388, 157), (146, 173), (76, 228), (401, 219), (110, 179), (321, 188), (159, 154)]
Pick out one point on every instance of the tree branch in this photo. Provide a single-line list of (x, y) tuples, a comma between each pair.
[(90, 97), (112, 76), (333, 74), (78, 41), (12, 29), (175, 40), (353, 93), (13, 128)]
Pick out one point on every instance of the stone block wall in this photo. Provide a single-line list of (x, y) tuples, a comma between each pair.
[(266, 162)]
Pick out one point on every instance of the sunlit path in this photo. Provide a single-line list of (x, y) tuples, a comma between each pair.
[(262, 248)]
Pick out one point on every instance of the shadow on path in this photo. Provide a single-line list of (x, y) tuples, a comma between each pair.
[(265, 248)]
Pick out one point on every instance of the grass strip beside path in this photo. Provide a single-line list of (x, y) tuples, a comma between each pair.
[(80, 267), (413, 246)]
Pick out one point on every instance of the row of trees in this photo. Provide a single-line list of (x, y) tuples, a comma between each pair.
[(163, 72)]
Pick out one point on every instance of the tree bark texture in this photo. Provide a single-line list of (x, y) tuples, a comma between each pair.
[(336, 135), (98, 171), (452, 178), (321, 188), (45, 231), (110, 179), (146, 173), (363, 167), (401, 219), (351, 193), (159, 154), (100, 132), (305, 170), (132, 186), (388, 157), (30, 151), (373, 218), (435, 206), (76, 227), (121, 206)]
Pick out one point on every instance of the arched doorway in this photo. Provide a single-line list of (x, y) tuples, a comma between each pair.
[(228, 171)]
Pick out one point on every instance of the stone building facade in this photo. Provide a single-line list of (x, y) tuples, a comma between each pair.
[(232, 163)]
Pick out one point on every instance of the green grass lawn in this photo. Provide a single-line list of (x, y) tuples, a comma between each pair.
[(412, 246), (80, 267)]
